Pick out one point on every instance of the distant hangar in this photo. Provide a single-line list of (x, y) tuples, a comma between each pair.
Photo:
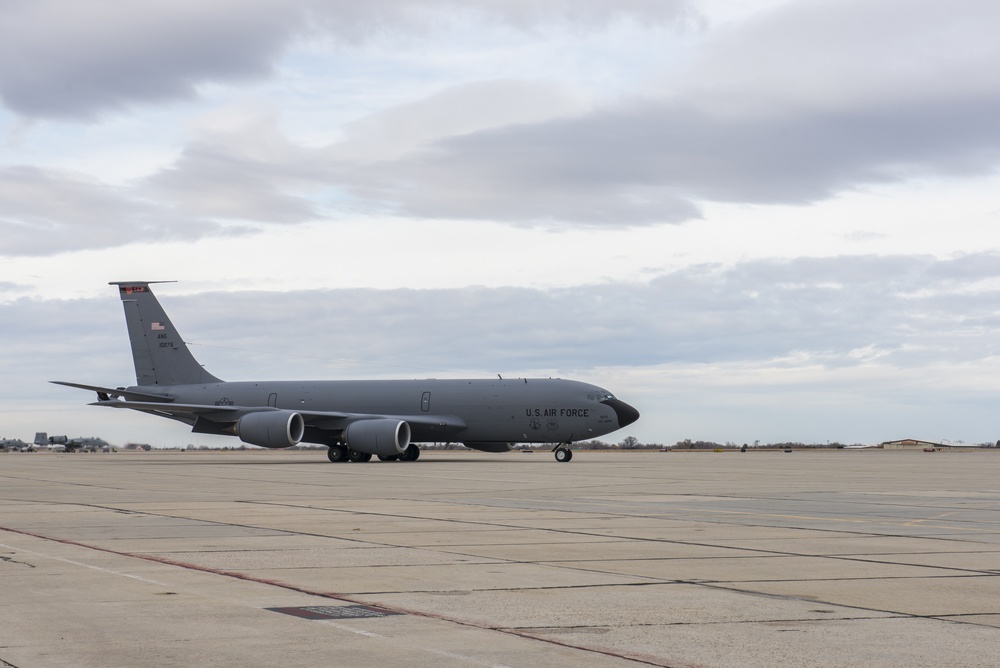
[(917, 444)]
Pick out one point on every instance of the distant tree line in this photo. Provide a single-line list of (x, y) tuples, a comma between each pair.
[(627, 443), (632, 443), (688, 444)]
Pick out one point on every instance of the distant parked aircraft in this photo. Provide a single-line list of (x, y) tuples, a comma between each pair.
[(14, 444), (79, 443), (355, 419)]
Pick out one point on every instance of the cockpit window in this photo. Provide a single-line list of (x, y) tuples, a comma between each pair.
[(600, 396)]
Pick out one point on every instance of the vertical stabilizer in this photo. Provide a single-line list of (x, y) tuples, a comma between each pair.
[(160, 355)]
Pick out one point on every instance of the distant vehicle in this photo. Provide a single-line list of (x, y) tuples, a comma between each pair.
[(355, 419), (15, 445)]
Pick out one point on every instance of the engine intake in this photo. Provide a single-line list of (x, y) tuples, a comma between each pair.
[(271, 429), (381, 436)]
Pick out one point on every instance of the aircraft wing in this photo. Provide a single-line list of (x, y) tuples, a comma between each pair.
[(227, 415)]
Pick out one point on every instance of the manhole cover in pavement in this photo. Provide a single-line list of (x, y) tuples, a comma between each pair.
[(335, 611)]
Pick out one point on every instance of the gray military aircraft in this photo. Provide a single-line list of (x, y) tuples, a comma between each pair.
[(78, 443), (355, 419), (14, 445)]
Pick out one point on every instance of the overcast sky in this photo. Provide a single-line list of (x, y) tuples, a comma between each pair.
[(771, 220)]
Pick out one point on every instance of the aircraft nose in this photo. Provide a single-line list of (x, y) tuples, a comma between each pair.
[(626, 414)]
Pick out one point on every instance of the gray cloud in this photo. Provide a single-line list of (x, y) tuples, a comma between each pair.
[(750, 124), (61, 59), (903, 311), (909, 311), (791, 107), (652, 161), (43, 212), (833, 54), (208, 180), (648, 163)]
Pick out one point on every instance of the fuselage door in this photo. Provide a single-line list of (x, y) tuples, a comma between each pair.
[(425, 402), (272, 400)]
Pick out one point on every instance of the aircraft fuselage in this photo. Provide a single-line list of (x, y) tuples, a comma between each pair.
[(536, 410)]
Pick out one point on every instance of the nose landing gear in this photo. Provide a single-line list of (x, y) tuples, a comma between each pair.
[(562, 453)]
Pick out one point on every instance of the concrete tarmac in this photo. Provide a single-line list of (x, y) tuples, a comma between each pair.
[(829, 558)]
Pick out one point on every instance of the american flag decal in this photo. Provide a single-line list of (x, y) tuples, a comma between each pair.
[(157, 327)]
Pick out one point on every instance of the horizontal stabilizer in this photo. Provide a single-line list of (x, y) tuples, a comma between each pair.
[(108, 392)]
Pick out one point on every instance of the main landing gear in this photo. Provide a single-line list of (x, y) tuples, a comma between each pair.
[(411, 454), (562, 453), (337, 453)]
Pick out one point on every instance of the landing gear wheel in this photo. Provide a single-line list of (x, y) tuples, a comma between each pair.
[(411, 454), (388, 458), (337, 454), (563, 454), (357, 456)]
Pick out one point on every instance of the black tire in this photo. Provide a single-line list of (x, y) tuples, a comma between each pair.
[(411, 454), (388, 458), (337, 454), (357, 456), (563, 454)]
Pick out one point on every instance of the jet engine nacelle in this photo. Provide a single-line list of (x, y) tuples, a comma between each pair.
[(271, 429), (382, 436)]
